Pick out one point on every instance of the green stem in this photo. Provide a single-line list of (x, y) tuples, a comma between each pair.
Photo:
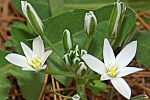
[(81, 90), (113, 40), (67, 97), (52, 46), (88, 41)]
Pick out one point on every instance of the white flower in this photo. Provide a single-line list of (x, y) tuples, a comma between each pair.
[(33, 60), (76, 97), (90, 23), (113, 67), (32, 17)]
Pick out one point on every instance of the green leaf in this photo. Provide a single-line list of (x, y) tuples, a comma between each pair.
[(143, 48), (97, 87), (4, 83)]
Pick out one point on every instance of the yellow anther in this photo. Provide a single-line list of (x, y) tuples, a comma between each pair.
[(112, 71), (36, 63)]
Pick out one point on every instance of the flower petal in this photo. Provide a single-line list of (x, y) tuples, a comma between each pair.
[(24, 8), (122, 87), (27, 51), (38, 46), (109, 57), (127, 70), (41, 68), (28, 69), (45, 56), (17, 59), (105, 77), (126, 55), (94, 63)]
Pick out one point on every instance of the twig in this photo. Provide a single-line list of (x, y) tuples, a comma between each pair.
[(57, 85), (43, 88), (63, 89), (142, 22), (53, 85)]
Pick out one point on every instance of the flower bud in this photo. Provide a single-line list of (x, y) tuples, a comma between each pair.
[(90, 23), (67, 40), (116, 18), (32, 17)]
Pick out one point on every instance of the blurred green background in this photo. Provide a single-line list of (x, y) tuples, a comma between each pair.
[(137, 5)]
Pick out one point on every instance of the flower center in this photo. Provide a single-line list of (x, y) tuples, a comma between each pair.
[(36, 63), (112, 71)]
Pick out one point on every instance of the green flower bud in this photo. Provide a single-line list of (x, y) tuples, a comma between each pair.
[(116, 18), (32, 17), (67, 40), (90, 23)]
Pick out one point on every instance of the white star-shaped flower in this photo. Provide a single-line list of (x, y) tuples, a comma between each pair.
[(34, 59), (114, 68)]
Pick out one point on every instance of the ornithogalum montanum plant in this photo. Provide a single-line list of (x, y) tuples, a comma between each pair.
[(33, 60), (113, 67)]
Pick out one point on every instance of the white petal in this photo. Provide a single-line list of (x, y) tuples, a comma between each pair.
[(127, 70), (28, 69), (126, 55), (109, 57), (105, 77), (27, 51), (17, 59), (122, 87), (41, 68), (38, 46), (87, 21), (94, 63), (45, 56), (24, 8)]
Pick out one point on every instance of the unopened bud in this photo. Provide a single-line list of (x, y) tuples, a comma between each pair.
[(67, 40), (32, 17), (90, 23), (116, 18)]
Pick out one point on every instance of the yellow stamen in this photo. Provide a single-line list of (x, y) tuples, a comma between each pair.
[(112, 71), (36, 63)]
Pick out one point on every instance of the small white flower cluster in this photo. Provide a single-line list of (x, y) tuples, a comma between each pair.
[(73, 57)]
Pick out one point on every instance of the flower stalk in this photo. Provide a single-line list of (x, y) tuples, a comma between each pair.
[(81, 89)]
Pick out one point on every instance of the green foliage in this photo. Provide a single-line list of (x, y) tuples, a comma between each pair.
[(143, 48), (97, 87)]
